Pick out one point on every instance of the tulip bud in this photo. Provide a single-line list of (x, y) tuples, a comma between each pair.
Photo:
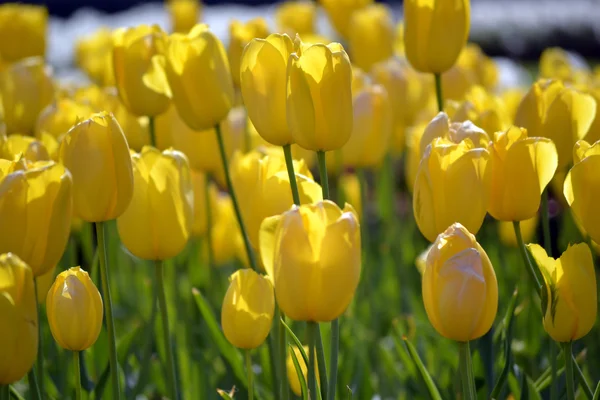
[(142, 85), (18, 318), (435, 32), (371, 38), (96, 153), (506, 231), (522, 168), (184, 14), (460, 291), (340, 13), (312, 252), (22, 31), (582, 188), (158, 221), (15, 146), (296, 17), (36, 203), (94, 55), (292, 374), (74, 309), (60, 116), (263, 78), (319, 101), (240, 34), (248, 307), (26, 88), (199, 77), (571, 285)]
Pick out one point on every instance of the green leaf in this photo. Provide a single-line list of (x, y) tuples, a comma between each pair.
[(226, 395), (508, 325), (433, 391), (299, 373), (597, 392), (296, 341), (348, 393)]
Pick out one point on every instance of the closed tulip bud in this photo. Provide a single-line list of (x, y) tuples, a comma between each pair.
[(452, 185), (199, 77), (319, 101), (158, 221), (531, 112), (571, 285), (247, 311), (371, 38), (506, 231), (96, 153), (340, 13), (26, 88), (296, 17), (22, 31), (263, 76), (582, 187), (19, 319), (60, 116), (142, 85), (240, 34), (263, 182), (74, 309), (350, 185), (313, 254), (30, 148), (93, 54), (435, 32), (459, 286), (184, 14), (36, 203), (292, 374), (522, 168)]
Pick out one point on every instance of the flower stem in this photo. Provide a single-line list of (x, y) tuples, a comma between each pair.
[(523, 251), (4, 392), (209, 223), (250, 375), (553, 382), (236, 206), (77, 375), (152, 130), (275, 356), (39, 365), (289, 163), (164, 312), (438, 91), (323, 174), (466, 372), (312, 379), (112, 343), (568, 351), (34, 389), (282, 353)]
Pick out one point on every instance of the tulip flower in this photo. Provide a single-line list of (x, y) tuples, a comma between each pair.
[(184, 14), (483, 67), (157, 223), (296, 17), (19, 319), (74, 309), (556, 63), (199, 77), (199, 182), (312, 252), (506, 231), (263, 79), (26, 88), (60, 116), (413, 154), (460, 291), (582, 187), (319, 102), (292, 374), (457, 81), (435, 32), (16, 146), (247, 311), (371, 38), (225, 231), (22, 31), (136, 129), (94, 55), (240, 34), (340, 13), (36, 203), (571, 286), (522, 168), (96, 153), (484, 109)]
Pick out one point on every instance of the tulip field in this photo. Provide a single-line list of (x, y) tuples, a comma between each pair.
[(369, 212)]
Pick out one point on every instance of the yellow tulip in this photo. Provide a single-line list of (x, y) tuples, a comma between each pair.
[(594, 131), (96, 153), (199, 77), (506, 231), (292, 374), (298, 153), (240, 34), (26, 88), (199, 223), (456, 82), (16, 146), (371, 38), (158, 221), (19, 319), (225, 230), (51, 144), (36, 203), (340, 13), (312, 252), (413, 154), (483, 67), (483, 109), (184, 14), (350, 185), (263, 182), (556, 63), (435, 32), (135, 128), (296, 17), (60, 116), (93, 54), (22, 31), (142, 85), (582, 186), (571, 285), (512, 98), (74, 309), (247, 311), (372, 128), (319, 101), (522, 168)]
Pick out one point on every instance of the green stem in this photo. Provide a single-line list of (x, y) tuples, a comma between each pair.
[(323, 174), (438, 91), (112, 342), (282, 352), (164, 312), (250, 375), (34, 389), (581, 379), (152, 130), (77, 375), (209, 222), (466, 372), (236, 206), (568, 352), (333, 358), (322, 366), (523, 251), (546, 224), (4, 392), (312, 379), (553, 382), (289, 163), (275, 358), (39, 364)]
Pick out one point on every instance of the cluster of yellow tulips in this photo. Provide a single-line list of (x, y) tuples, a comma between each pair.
[(181, 140)]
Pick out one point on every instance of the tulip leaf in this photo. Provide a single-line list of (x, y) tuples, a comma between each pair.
[(597, 392), (429, 383), (508, 325), (299, 373), (296, 341)]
